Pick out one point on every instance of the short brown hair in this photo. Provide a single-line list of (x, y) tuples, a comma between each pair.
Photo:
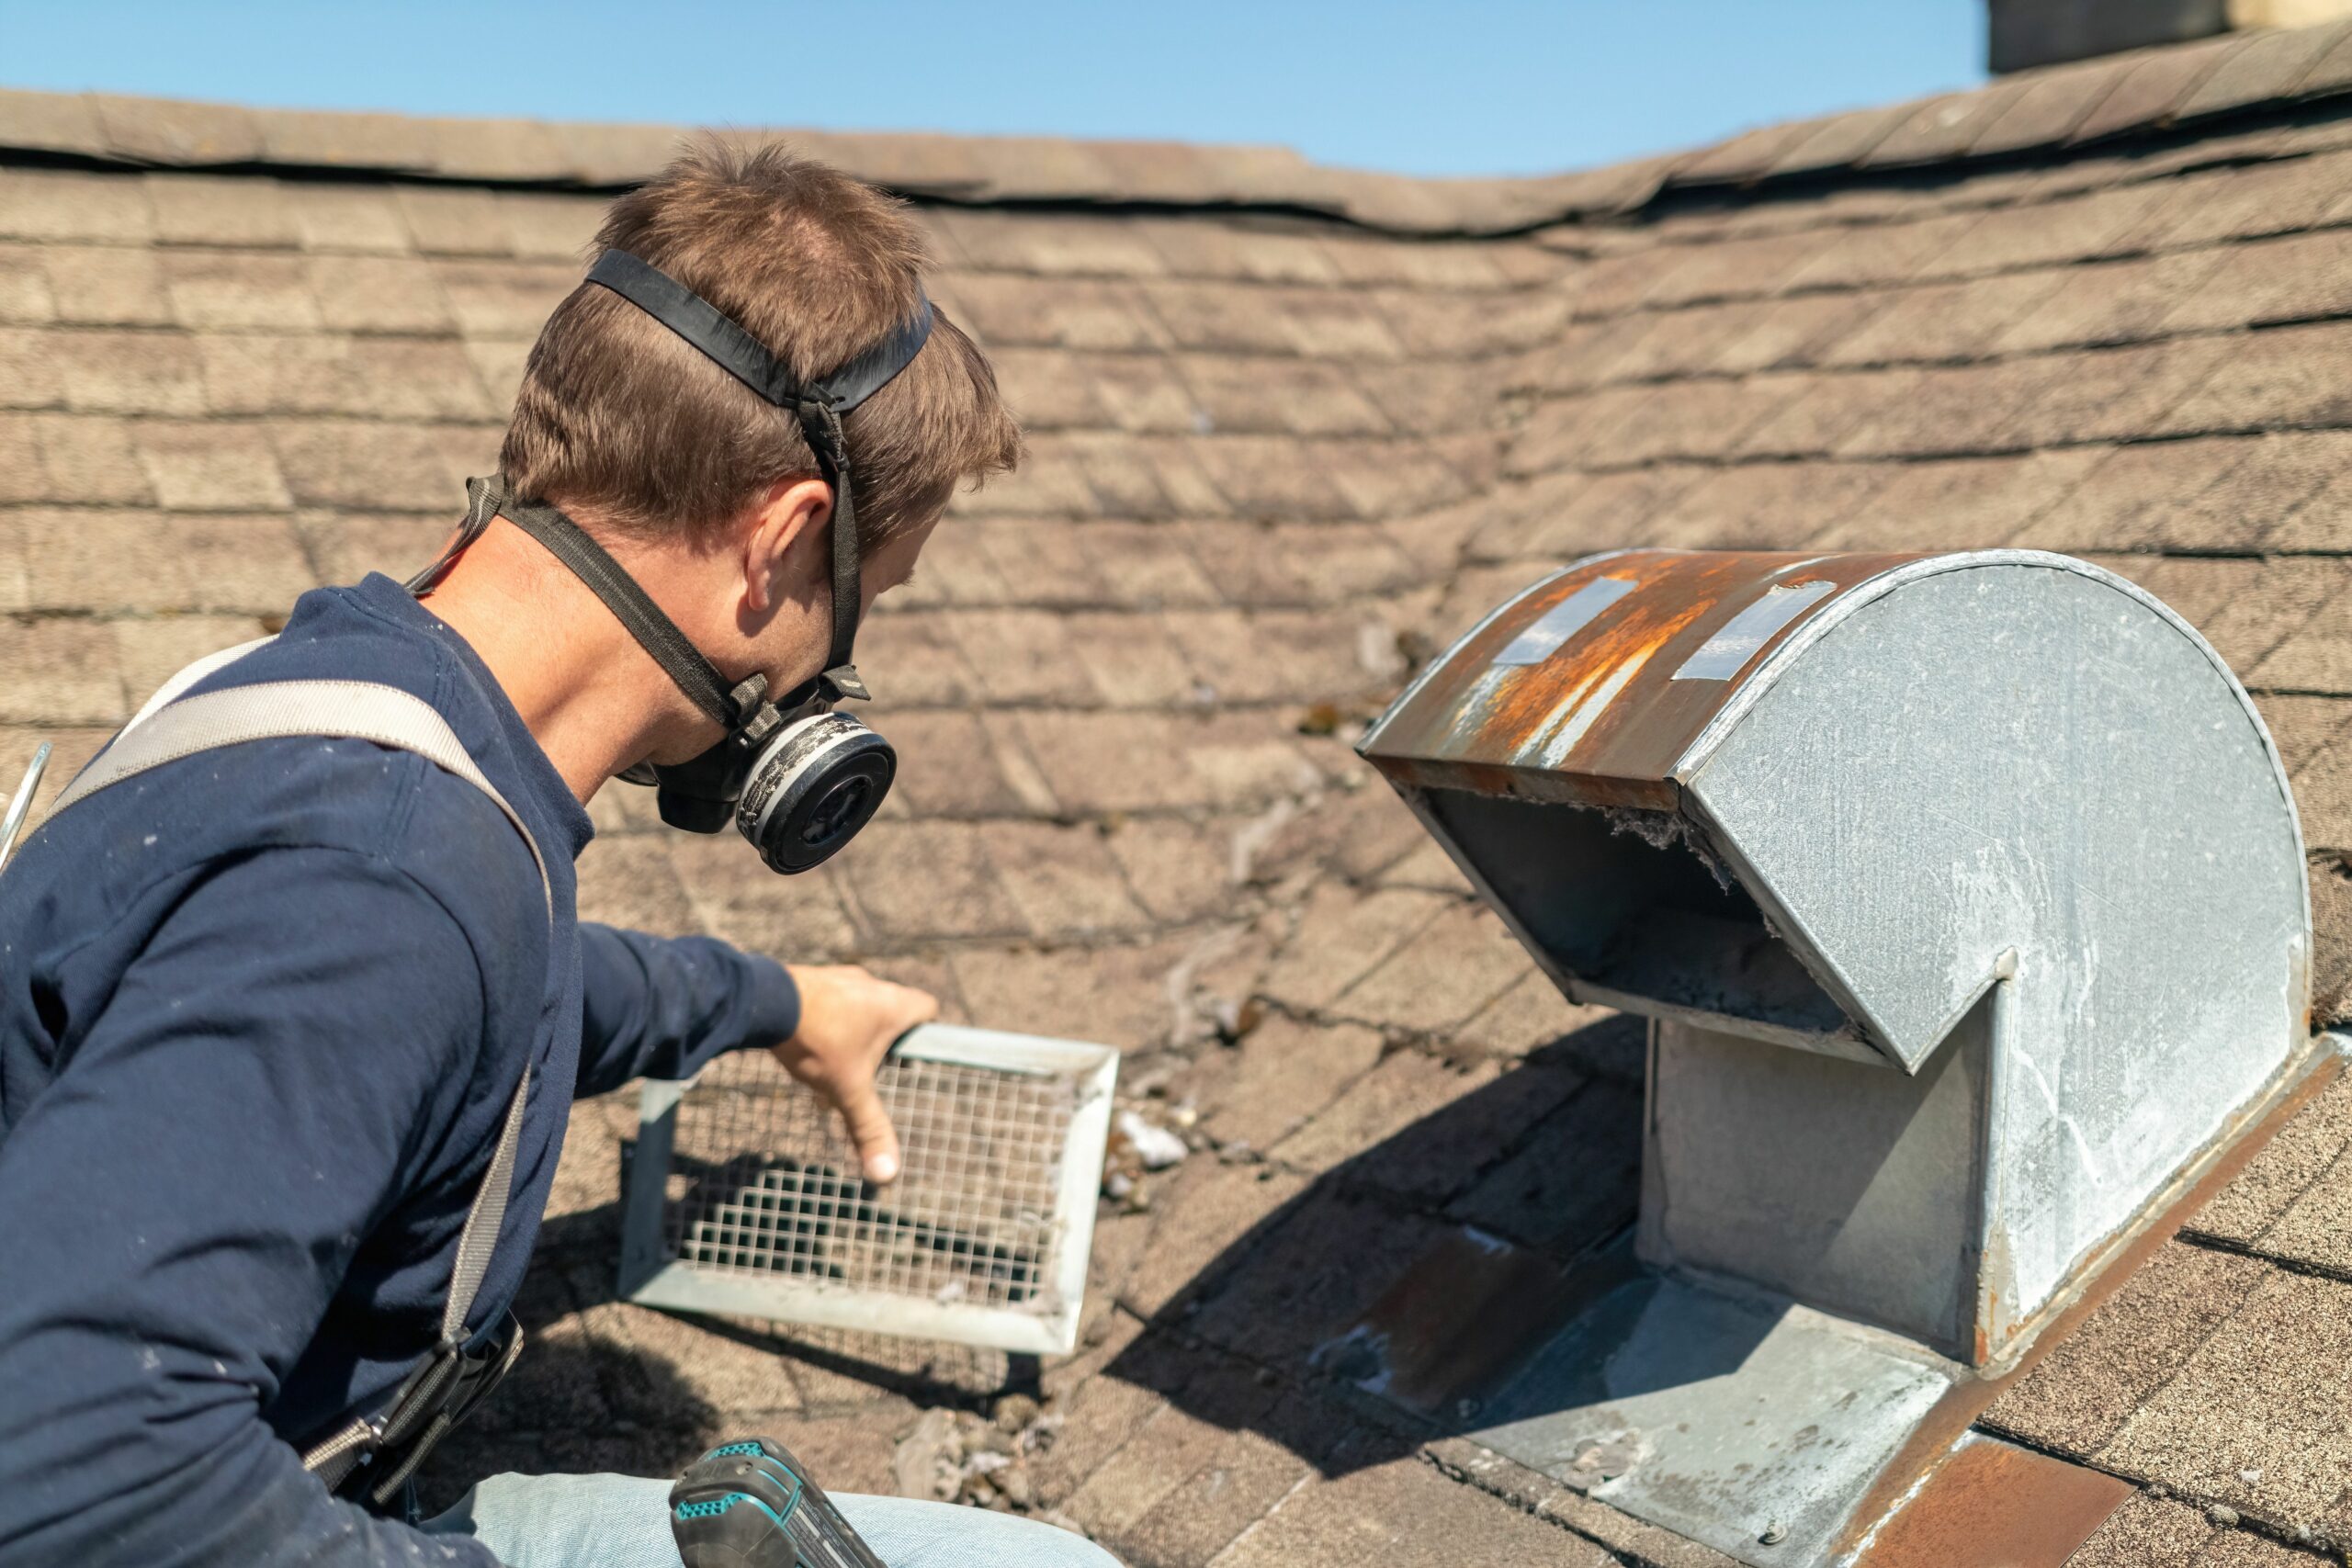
[(619, 417)]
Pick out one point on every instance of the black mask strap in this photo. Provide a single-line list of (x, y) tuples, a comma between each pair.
[(587, 560), (820, 407), (824, 433), (482, 497)]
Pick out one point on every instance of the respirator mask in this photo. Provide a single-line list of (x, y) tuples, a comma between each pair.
[(798, 778)]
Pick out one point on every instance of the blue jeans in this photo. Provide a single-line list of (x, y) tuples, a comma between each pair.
[(623, 1521)]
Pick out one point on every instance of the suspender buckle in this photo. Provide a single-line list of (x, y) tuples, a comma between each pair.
[(375, 1457)]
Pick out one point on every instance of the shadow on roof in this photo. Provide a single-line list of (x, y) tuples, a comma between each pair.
[(1423, 1295)]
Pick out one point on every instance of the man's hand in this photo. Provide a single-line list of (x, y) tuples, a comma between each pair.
[(848, 1018)]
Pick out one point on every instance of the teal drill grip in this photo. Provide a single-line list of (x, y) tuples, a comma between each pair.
[(750, 1504)]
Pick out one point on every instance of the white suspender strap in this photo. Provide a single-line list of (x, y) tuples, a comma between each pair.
[(358, 710), (189, 677), (171, 727), (483, 1220)]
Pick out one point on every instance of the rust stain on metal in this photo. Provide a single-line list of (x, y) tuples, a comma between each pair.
[(1602, 719), (1969, 1397), (1462, 1318), (1997, 1506)]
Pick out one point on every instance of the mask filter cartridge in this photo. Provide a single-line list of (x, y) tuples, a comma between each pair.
[(817, 782)]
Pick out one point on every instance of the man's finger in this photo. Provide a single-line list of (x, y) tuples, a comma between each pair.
[(870, 1132)]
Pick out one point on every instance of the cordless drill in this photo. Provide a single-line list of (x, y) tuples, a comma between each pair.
[(751, 1505)]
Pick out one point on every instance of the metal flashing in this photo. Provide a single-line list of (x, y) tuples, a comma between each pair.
[(1993, 1504), (1745, 1422)]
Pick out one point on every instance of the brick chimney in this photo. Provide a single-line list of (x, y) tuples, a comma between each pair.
[(2045, 32)]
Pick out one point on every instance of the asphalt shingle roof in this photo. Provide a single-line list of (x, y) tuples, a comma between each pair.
[(1293, 429)]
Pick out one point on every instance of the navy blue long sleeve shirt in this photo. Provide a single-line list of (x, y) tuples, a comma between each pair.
[(261, 1012)]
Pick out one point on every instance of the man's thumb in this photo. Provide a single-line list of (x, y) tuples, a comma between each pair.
[(870, 1132)]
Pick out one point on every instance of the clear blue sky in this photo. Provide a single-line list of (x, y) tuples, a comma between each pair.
[(1474, 87)]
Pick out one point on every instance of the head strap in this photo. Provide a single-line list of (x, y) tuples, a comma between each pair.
[(819, 404), (743, 356)]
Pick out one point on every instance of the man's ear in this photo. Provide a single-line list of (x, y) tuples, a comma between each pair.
[(795, 509)]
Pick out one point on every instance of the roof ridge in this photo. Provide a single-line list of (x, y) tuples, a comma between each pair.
[(2059, 108)]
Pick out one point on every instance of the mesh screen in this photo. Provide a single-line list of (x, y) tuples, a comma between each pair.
[(763, 1182)]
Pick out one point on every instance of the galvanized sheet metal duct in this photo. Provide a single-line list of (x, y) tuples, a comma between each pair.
[(1965, 893), (1830, 802)]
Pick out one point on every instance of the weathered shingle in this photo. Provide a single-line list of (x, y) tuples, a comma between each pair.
[(2272, 65), (2077, 1400), (107, 286), (2055, 104), (2153, 89), (2254, 1419), (2146, 1532), (162, 131)]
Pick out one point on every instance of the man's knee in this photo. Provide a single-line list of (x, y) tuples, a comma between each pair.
[(566, 1521), (623, 1521), (1029, 1543), (905, 1533)]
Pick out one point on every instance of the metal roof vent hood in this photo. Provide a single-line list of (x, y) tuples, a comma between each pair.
[(1966, 895)]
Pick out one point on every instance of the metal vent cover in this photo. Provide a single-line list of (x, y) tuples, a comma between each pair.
[(1965, 895), (744, 1197)]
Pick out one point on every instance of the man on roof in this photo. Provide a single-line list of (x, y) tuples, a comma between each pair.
[(296, 1001)]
